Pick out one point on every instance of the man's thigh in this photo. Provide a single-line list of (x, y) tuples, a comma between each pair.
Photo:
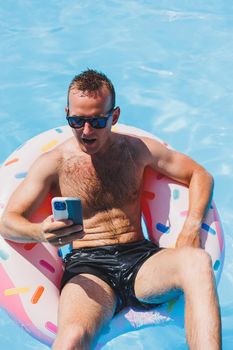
[(86, 301), (157, 280)]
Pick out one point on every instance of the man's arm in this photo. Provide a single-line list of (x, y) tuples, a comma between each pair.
[(185, 170), (29, 195)]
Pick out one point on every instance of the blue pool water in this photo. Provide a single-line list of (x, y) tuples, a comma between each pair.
[(171, 62)]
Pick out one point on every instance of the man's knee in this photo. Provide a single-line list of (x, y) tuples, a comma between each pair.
[(195, 265), (73, 337)]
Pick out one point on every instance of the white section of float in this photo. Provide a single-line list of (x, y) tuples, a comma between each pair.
[(30, 273)]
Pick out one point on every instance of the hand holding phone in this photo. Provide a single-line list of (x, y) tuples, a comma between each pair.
[(67, 208)]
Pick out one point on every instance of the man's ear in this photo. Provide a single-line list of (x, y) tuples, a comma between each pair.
[(67, 110), (116, 115)]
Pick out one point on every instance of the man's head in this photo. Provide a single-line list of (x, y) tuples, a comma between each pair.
[(90, 110), (90, 82)]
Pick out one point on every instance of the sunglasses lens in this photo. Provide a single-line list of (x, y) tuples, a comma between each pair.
[(94, 122), (102, 122), (76, 123), (98, 123)]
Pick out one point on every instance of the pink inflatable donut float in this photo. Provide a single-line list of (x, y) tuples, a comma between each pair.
[(30, 273)]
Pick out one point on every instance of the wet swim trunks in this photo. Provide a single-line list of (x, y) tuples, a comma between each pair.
[(117, 265)]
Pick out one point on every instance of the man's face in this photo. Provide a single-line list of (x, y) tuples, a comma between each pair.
[(91, 140)]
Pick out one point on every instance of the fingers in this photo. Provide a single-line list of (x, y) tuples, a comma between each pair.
[(50, 225), (60, 232), (65, 232), (59, 241)]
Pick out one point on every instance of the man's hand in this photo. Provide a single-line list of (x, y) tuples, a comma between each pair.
[(186, 239), (190, 234), (61, 232)]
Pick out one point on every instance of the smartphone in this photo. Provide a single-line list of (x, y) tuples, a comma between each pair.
[(67, 208)]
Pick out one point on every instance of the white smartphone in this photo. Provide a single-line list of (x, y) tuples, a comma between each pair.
[(67, 208)]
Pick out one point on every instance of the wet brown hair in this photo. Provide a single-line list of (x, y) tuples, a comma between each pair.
[(91, 81)]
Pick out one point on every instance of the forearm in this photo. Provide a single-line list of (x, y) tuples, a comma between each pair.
[(16, 228), (200, 196)]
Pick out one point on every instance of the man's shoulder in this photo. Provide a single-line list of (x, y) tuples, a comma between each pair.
[(148, 149), (60, 152), (136, 146), (129, 138), (47, 166), (140, 142), (49, 161)]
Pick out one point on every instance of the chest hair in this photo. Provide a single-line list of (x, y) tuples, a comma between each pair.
[(102, 184)]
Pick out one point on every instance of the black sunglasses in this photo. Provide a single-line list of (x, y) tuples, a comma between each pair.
[(96, 122)]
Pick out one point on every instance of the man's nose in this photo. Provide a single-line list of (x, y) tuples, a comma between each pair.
[(87, 129)]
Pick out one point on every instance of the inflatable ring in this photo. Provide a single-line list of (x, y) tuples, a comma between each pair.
[(30, 273)]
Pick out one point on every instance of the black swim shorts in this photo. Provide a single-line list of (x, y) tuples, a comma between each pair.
[(117, 265)]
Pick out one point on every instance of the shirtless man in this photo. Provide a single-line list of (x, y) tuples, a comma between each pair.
[(112, 265)]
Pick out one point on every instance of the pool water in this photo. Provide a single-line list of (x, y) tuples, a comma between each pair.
[(171, 63)]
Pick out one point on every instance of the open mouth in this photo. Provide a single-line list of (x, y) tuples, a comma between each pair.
[(88, 141)]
